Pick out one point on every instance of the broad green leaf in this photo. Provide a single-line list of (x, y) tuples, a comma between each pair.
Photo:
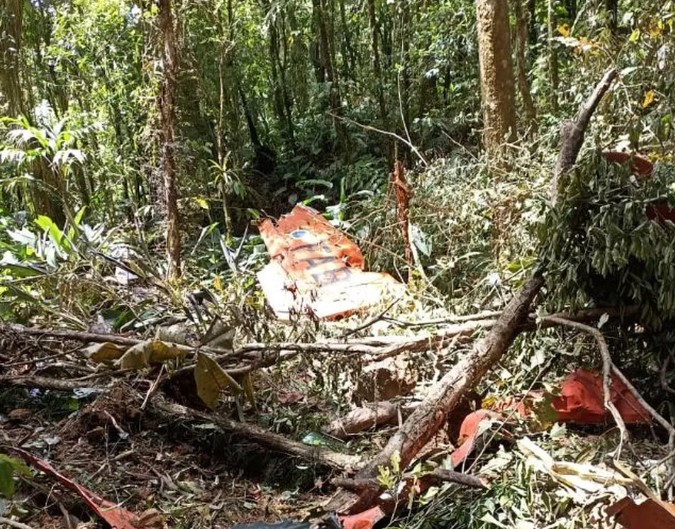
[(77, 220), (19, 270), (49, 226), (212, 380), (8, 467)]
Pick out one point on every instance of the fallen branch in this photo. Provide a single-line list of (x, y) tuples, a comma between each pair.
[(435, 477), (426, 420), (431, 414), (379, 346), (13, 523), (573, 132), (607, 366), (320, 455), (461, 333), (367, 417)]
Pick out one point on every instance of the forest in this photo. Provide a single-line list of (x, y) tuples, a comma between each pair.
[(339, 264)]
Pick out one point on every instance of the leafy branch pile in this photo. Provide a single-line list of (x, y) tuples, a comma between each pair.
[(600, 247)]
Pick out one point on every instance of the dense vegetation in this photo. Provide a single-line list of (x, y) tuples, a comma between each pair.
[(147, 137), (279, 102)]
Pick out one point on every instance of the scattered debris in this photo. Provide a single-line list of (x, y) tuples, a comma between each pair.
[(650, 514), (385, 380), (115, 516), (315, 269)]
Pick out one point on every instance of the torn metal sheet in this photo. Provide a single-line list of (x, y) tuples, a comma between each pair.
[(650, 514), (315, 269)]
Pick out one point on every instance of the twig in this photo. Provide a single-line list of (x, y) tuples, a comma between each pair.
[(489, 314), (607, 367), (153, 387), (664, 370), (655, 414), (323, 456), (13, 523), (372, 321), (58, 384), (386, 133)]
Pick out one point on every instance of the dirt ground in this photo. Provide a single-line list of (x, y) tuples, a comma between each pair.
[(195, 476)]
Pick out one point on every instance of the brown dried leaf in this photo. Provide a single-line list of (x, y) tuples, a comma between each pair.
[(104, 352), (212, 380)]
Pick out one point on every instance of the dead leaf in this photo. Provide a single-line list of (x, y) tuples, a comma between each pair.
[(104, 352), (219, 335), (163, 351), (212, 380), (112, 514), (151, 519), (147, 353), (177, 333), (136, 357), (247, 386), (648, 98)]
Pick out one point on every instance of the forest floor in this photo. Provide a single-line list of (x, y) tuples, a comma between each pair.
[(105, 442), (195, 475)]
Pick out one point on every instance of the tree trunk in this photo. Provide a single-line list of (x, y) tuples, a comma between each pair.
[(496, 76), (532, 34), (521, 61), (377, 66), (552, 57), (167, 112), (11, 23), (349, 55), (327, 59), (613, 15)]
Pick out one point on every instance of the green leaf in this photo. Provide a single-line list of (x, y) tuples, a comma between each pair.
[(50, 227), (8, 467)]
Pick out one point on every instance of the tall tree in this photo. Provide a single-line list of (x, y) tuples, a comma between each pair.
[(167, 113), (612, 7), (326, 36), (11, 23), (375, 50), (496, 75), (552, 56), (521, 61)]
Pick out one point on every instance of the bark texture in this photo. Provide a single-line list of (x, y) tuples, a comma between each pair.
[(496, 75), (167, 112), (11, 24), (521, 61)]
